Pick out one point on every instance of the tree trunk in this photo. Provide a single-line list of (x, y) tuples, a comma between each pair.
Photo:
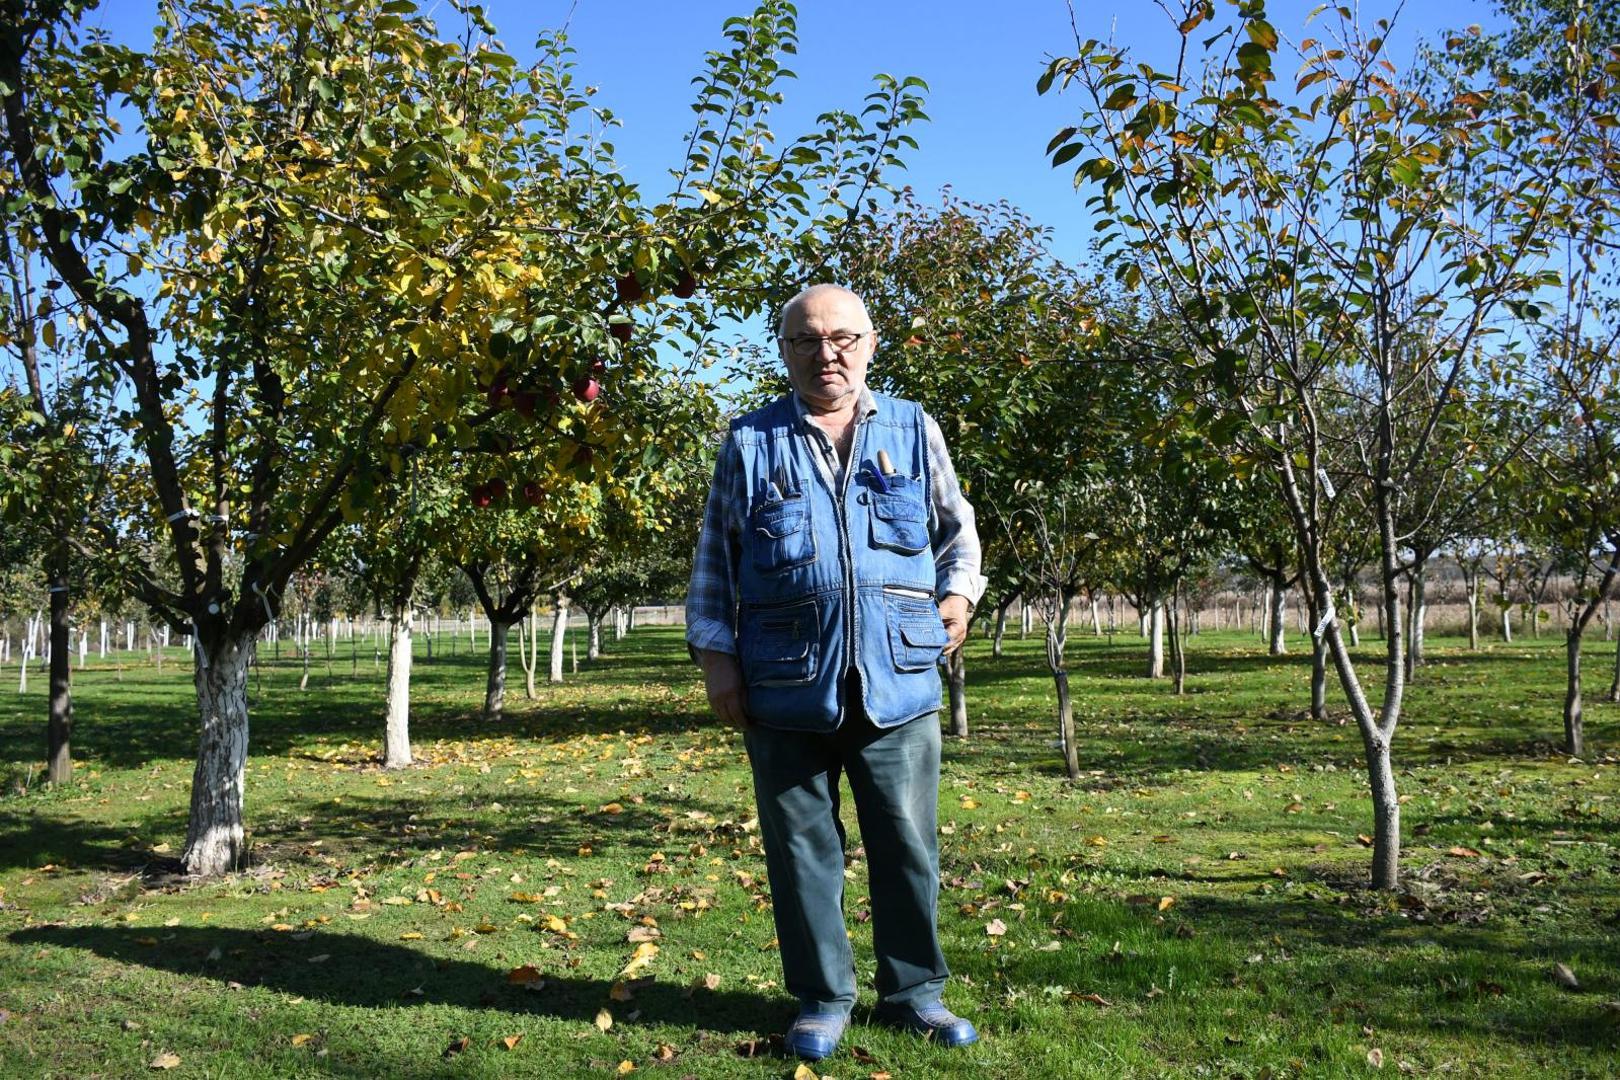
[(1507, 613), (1417, 615), (1096, 619), (397, 726), (1319, 659), (956, 679), (495, 688), (1071, 753), (593, 650), (1471, 586), (1178, 653), (215, 843), (1574, 726), (1277, 618), (1353, 608), (1001, 630), (1155, 636), (1614, 686), (1026, 621), (59, 721), (559, 628)]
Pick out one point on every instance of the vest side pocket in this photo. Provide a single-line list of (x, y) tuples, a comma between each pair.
[(899, 517), (916, 634), (780, 534), (779, 644)]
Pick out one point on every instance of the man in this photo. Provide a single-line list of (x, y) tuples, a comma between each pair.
[(838, 562)]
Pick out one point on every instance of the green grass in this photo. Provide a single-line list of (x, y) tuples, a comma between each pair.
[(1192, 907)]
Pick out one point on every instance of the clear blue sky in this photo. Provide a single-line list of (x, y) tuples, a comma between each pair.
[(988, 128)]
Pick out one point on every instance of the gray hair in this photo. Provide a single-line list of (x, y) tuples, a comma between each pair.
[(815, 290)]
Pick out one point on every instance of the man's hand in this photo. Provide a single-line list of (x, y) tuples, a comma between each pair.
[(953, 612), (722, 678)]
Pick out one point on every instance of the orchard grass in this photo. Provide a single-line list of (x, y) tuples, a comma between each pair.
[(1194, 906)]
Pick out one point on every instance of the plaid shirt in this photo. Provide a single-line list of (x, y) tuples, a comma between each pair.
[(711, 599)]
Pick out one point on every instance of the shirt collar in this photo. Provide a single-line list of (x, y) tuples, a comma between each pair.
[(867, 406)]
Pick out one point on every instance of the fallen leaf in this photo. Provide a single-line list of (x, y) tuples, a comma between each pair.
[(805, 1072), (1166, 903), (1095, 999), (995, 928), (511, 1041), (643, 933), (410, 935), (644, 955), (665, 1052), (527, 976), (1563, 976), (1375, 1058), (301, 1038), (626, 1067), (321, 959), (457, 1046), (165, 1061), (604, 1020), (1364, 840), (1463, 852), (555, 924)]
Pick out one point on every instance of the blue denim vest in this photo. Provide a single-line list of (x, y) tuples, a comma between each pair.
[(830, 580)]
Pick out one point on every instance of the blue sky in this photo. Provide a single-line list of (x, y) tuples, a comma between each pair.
[(988, 127)]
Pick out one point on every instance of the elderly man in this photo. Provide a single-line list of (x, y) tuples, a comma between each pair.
[(838, 562)]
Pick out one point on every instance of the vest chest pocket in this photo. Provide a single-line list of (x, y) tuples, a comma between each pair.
[(779, 645), (899, 517), (781, 537)]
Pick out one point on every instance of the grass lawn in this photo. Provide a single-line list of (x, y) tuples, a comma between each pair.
[(579, 890)]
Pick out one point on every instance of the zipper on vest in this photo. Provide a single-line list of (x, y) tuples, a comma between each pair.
[(852, 599)]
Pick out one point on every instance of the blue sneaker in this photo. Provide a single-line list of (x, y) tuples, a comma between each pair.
[(815, 1035), (933, 1021)]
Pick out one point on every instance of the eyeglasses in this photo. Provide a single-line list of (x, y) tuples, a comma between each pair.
[(809, 344)]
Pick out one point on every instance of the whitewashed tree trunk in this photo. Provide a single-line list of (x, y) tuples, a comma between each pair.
[(593, 650), (1473, 612), (1155, 623), (397, 724), (1000, 633), (103, 654), (1026, 620), (1277, 619), (559, 629), (215, 843), (1096, 619)]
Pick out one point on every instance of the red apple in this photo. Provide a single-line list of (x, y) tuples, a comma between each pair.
[(628, 288), (586, 388), (496, 488), (481, 497), (496, 391), (533, 493), (686, 287), (621, 331)]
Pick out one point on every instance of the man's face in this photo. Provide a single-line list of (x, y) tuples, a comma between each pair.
[(828, 379)]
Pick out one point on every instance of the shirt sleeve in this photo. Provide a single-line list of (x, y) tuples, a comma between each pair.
[(953, 530), (711, 595)]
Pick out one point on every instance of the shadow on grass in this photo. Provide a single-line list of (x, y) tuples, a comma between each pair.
[(360, 972)]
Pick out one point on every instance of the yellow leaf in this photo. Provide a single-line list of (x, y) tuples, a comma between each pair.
[(555, 924), (604, 1019), (511, 1041), (301, 1038), (805, 1072), (1166, 902), (710, 197), (626, 1067), (1097, 841), (165, 1061), (410, 935)]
